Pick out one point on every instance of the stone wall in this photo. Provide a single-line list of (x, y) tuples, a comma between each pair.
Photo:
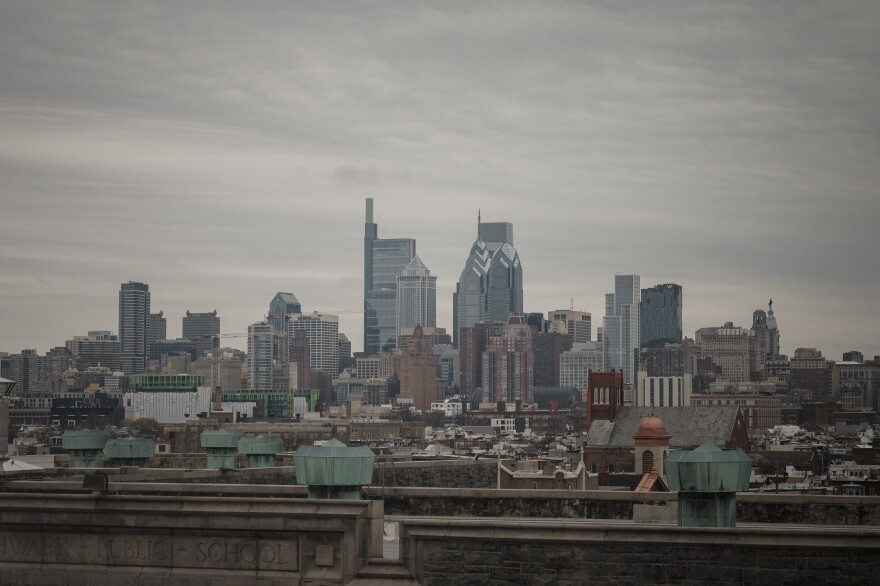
[(619, 505), (75, 539), (459, 552), (446, 473)]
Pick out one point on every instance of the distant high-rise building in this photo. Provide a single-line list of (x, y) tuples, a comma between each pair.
[(300, 362), (384, 260), (471, 345), (345, 358), (508, 363), (134, 311), (663, 391), (434, 336), (575, 365), (578, 323), (322, 332), (547, 352), (766, 332), (203, 329), (98, 348), (621, 326), (730, 348), (282, 305), (660, 320), (810, 372), (259, 356), (157, 328), (491, 285), (418, 372), (416, 297)]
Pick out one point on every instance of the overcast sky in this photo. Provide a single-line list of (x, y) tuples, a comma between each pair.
[(222, 151)]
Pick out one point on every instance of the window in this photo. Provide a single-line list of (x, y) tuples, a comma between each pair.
[(647, 461)]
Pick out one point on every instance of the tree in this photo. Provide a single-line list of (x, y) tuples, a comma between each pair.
[(145, 426)]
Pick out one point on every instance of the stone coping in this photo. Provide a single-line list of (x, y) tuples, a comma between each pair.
[(413, 530)]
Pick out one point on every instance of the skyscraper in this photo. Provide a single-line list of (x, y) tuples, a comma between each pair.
[(134, 311), (490, 286), (259, 356), (416, 297), (322, 332), (418, 372), (621, 326), (282, 305), (766, 332), (508, 363), (660, 316), (579, 323), (202, 328), (384, 260)]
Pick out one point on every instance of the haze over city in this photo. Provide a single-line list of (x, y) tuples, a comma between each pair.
[(222, 152)]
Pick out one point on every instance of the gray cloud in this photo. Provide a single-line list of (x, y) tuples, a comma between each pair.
[(222, 151)]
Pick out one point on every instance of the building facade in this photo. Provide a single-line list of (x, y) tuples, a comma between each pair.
[(416, 298), (578, 323), (322, 332), (384, 260), (490, 286), (621, 326), (98, 348), (660, 316), (575, 365), (663, 391), (203, 329), (260, 355), (134, 312), (508, 363), (418, 372)]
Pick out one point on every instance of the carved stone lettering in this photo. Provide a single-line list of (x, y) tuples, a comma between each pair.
[(138, 550)]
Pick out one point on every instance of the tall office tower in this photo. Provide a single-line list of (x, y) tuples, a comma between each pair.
[(575, 365), (300, 361), (322, 332), (99, 348), (490, 286), (259, 356), (508, 363), (34, 373), (134, 311), (766, 332), (418, 372), (282, 305), (416, 297), (384, 260), (471, 345), (660, 316), (345, 358), (732, 349), (810, 372), (203, 329), (621, 326), (219, 369), (579, 323), (157, 328), (547, 349)]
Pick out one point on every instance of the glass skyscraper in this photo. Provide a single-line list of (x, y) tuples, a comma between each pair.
[(416, 297), (660, 316), (620, 335), (490, 286), (384, 260)]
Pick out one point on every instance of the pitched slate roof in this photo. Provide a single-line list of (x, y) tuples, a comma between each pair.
[(688, 426)]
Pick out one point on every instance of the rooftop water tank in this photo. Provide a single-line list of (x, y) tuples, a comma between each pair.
[(334, 470)]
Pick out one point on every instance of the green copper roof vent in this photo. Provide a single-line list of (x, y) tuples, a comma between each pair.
[(707, 480), (259, 451), (86, 447), (130, 452), (334, 470), (221, 445)]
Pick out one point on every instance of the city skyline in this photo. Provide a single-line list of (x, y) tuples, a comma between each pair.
[(735, 152)]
